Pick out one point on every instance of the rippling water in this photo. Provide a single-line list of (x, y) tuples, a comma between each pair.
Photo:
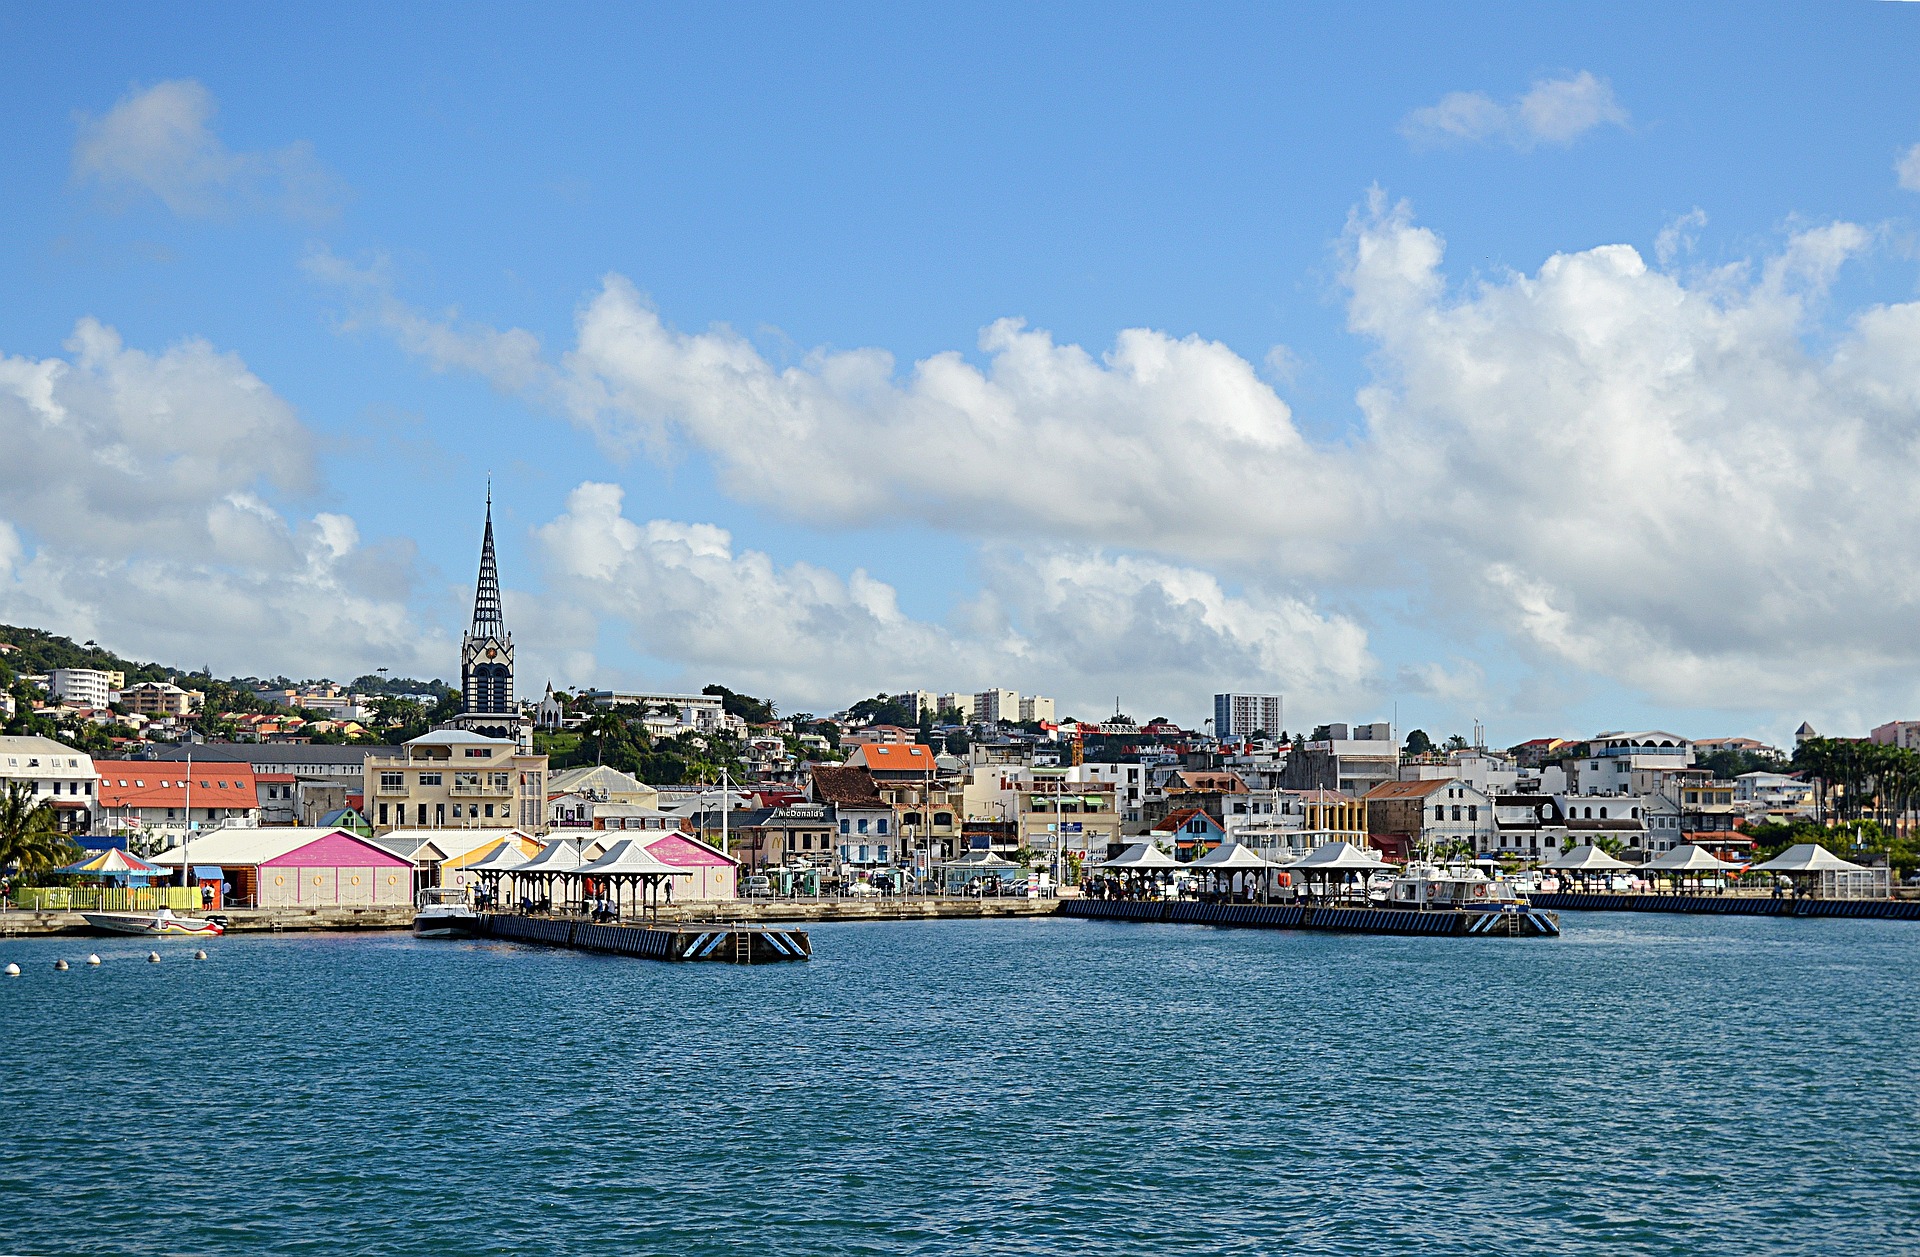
[(1644, 1085)]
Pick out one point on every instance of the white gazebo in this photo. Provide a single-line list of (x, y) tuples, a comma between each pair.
[(1690, 860), (1231, 860), (1828, 876), (1139, 865), (505, 858), (1335, 859), (629, 866), (560, 858), (1587, 859)]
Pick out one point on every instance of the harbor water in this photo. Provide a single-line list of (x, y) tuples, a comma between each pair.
[(1642, 1085)]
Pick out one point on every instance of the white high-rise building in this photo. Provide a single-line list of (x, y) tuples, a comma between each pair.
[(83, 687), (962, 703), (993, 705), (1035, 708), (1237, 715)]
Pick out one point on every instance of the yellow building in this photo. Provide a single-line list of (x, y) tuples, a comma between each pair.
[(450, 779)]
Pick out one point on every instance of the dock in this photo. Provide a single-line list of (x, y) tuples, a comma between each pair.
[(1532, 922), (1732, 905), (722, 942)]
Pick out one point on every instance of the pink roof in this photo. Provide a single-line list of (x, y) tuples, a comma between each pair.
[(340, 850), (685, 853)]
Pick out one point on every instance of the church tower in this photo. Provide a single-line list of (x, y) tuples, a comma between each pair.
[(486, 652)]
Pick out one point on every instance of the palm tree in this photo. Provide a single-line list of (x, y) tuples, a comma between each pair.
[(30, 838)]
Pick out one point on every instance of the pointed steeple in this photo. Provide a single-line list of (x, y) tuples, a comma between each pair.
[(487, 621)]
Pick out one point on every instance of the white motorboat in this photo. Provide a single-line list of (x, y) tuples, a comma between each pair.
[(1427, 885), (161, 923), (444, 912)]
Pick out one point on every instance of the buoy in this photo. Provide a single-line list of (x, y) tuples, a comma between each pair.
[(13, 971), (61, 965), (93, 959), (199, 955), (153, 957)]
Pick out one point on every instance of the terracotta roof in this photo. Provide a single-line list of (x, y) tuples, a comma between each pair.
[(1409, 789), (846, 787), (162, 783), (912, 758), (1174, 820)]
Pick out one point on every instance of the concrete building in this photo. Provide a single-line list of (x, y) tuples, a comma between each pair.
[(962, 703), (866, 829), (924, 704), (1900, 733), (1238, 715), (84, 687), (1352, 761), (303, 760), (160, 698), (54, 773), (990, 706), (1035, 708), (454, 779), (1406, 817)]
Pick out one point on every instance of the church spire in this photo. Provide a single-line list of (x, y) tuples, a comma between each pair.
[(487, 621)]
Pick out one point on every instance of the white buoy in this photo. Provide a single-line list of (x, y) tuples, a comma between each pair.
[(199, 955), (13, 971), (153, 957), (93, 959), (61, 965)]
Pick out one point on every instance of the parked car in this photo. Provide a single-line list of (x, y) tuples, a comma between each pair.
[(757, 887)]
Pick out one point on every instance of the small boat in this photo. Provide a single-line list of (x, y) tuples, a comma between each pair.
[(1429, 886), (444, 913), (161, 923)]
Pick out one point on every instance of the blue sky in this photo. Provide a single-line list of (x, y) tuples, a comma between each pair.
[(400, 229)]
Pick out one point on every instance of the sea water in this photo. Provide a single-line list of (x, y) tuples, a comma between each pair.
[(1645, 1084)]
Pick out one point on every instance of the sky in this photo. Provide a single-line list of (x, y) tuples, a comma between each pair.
[(1553, 369)]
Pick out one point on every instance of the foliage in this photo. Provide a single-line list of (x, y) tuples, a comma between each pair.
[(37, 650), (618, 737), (1418, 743), (1455, 743), (30, 839), (1850, 840), (374, 684), (755, 711), (882, 710), (1726, 765)]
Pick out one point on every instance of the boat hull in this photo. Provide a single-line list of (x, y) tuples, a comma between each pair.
[(440, 924), (148, 925)]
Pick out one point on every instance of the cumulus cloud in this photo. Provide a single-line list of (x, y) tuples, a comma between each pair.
[(1907, 169), (1689, 487), (134, 508), (159, 141), (1551, 111), (1081, 625)]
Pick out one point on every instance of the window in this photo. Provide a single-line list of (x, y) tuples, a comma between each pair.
[(393, 781), (429, 779), (880, 827), (422, 814), (489, 809), (383, 813), (439, 813), (466, 781), (846, 827), (1439, 813), (1603, 813), (476, 752), (1473, 811), (1456, 811), (456, 811)]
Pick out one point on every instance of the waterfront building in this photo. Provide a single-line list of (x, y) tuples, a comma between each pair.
[(440, 857), (51, 772), (455, 779), (774, 837), (925, 805), (1241, 715), (1350, 760), (598, 783), (299, 867), (151, 799), (1054, 816), (1405, 817), (863, 820), (715, 874), (1188, 832)]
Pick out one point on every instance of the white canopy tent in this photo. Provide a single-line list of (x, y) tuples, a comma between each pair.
[(1140, 857), (496, 864), (560, 858), (1690, 859), (1232, 860), (1333, 864), (1587, 859), (1819, 872), (1807, 857), (629, 866)]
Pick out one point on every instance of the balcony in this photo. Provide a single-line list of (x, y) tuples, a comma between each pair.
[(481, 791)]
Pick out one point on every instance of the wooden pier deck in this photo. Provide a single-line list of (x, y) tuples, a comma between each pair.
[(728, 943), (1535, 923)]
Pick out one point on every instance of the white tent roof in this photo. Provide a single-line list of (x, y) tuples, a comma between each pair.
[(501, 859), (561, 855), (1337, 857), (1230, 856), (1806, 857), (629, 858), (1587, 858), (980, 859), (1141, 855), (248, 846), (1690, 859)]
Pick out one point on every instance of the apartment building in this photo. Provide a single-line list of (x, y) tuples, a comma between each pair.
[(1238, 715), (84, 687), (51, 772), (451, 779)]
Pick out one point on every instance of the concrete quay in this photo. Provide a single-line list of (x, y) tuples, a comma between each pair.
[(732, 911)]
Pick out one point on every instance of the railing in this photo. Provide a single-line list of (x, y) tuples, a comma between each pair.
[(107, 898), (497, 792)]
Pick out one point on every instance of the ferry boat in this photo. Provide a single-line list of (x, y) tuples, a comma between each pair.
[(444, 912), (1426, 885), (161, 923)]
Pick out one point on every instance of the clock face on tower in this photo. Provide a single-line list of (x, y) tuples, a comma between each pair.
[(492, 653)]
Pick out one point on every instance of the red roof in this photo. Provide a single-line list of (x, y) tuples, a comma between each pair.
[(913, 758), (163, 783), (1410, 789)]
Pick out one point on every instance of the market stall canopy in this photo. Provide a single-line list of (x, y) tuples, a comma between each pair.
[(1590, 859), (562, 855), (1807, 857), (1141, 855), (504, 858), (981, 859), (112, 862), (1231, 857), (1337, 857), (628, 858), (1691, 859)]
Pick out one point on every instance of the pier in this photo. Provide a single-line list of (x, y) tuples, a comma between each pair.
[(725, 942), (1528, 923), (1732, 905)]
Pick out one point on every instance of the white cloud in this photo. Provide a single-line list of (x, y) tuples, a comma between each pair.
[(1678, 236), (158, 140), (133, 509), (1551, 111), (1080, 625), (1611, 468), (1907, 169)]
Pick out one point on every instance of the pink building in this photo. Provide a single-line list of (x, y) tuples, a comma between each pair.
[(714, 874), (299, 867)]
